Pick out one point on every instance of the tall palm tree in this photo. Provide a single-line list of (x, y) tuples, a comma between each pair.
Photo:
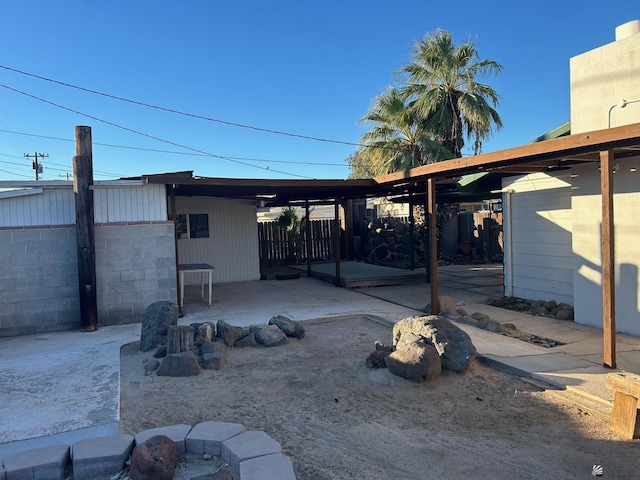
[(442, 90), (396, 140)]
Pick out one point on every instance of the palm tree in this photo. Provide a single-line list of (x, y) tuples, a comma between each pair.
[(396, 140), (444, 95), (293, 225)]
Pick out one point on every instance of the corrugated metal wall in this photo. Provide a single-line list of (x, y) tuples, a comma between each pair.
[(232, 246), (41, 207), (541, 250), (140, 203)]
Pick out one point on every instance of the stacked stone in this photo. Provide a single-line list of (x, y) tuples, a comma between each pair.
[(387, 243)]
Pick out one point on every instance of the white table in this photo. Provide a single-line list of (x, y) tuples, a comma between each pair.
[(200, 268)]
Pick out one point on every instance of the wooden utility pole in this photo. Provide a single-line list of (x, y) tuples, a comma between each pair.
[(36, 165), (82, 183)]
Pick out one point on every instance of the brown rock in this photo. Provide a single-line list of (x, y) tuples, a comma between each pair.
[(155, 459)]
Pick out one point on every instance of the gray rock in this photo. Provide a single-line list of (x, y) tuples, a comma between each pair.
[(158, 317), (466, 320), (150, 367), (290, 327), (154, 459), (204, 333), (270, 336), (248, 341), (415, 361), (462, 312), (213, 347), (565, 314), (452, 343), (550, 305), (480, 316), (490, 325), (230, 334), (214, 361), (377, 359), (382, 347), (183, 364), (161, 352), (445, 305)]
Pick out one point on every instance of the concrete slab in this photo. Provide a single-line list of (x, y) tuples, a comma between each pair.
[(207, 437), (92, 457), (541, 363), (40, 463), (278, 465), (247, 445), (177, 433), (589, 382)]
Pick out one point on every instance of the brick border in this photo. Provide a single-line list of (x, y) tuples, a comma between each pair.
[(252, 455)]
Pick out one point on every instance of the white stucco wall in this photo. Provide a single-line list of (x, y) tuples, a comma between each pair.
[(587, 246), (232, 246), (537, 242)]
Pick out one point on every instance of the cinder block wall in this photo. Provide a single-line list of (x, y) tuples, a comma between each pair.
[(38, 280), (135, 266)]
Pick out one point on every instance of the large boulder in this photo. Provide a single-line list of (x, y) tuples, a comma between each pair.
[(416, 361), (452, 343), (230, 334), (154, 459), (158, 317), (183, 364)]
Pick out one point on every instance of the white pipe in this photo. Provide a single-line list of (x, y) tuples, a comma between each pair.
[(508, 246)]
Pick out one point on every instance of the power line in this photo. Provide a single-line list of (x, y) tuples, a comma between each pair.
[(175, 144), (328, 164), (178, 112)]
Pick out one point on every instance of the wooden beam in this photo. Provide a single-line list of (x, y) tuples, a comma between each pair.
[(618, 137), (85, 229), (608, 260), (433, 243), (174, 216)]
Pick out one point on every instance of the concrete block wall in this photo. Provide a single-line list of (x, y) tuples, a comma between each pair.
[(135, 266), (38, 280)]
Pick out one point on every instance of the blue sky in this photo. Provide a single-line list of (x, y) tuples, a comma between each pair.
[(305, 68)]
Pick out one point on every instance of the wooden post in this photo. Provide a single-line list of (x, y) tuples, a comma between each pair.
[(426, 239), (433, 244), (336, 248), (608, 260), (174, 217), (180, 338), (85, 230), (307, 234), (412, 243)]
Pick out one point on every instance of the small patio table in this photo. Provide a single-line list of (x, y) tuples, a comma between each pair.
[(200, 268)]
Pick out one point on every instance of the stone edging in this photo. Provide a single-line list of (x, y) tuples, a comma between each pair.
[(252, 455)]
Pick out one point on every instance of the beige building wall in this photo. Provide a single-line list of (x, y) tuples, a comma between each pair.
[(600, 79)]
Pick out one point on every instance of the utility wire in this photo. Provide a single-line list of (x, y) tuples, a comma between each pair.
[(175, 144), (328, 164), (178, 112)]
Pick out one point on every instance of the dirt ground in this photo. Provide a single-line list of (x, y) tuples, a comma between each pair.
[(337, 419)]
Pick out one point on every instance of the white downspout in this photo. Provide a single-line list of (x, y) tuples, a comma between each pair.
[(508, 246)]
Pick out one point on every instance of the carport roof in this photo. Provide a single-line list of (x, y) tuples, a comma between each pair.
[(546, 155)]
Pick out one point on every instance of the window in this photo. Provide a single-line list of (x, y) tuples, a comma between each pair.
[(192, 225)]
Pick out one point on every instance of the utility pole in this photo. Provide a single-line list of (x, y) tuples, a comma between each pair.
[(36, 165)]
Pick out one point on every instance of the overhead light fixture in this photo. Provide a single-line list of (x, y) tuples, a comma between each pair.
[(261, 208)]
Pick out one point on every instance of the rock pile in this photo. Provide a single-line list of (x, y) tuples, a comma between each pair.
[(387, 242), (422, 347), (448, 309), (186, 350), (541, 308)]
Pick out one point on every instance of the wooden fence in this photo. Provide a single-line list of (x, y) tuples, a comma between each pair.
[(276, 247)]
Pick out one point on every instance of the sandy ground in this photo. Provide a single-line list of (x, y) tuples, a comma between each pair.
[(337, 419)]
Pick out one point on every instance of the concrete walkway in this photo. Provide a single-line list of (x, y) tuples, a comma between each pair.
[(65, 386)]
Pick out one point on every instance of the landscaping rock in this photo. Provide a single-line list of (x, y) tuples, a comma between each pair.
[(214, 361), (158, 317), (377, 359), (154, 459), (213, 347), (270, 336), (288, 326), (204, 333), (416, 361), (150, 367), (183, 364), (452, 343), (248, 341), (230, 334)]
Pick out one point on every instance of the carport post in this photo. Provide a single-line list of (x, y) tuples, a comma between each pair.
[(433, 244), (336, 235), (307, 234), (608, 260)]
